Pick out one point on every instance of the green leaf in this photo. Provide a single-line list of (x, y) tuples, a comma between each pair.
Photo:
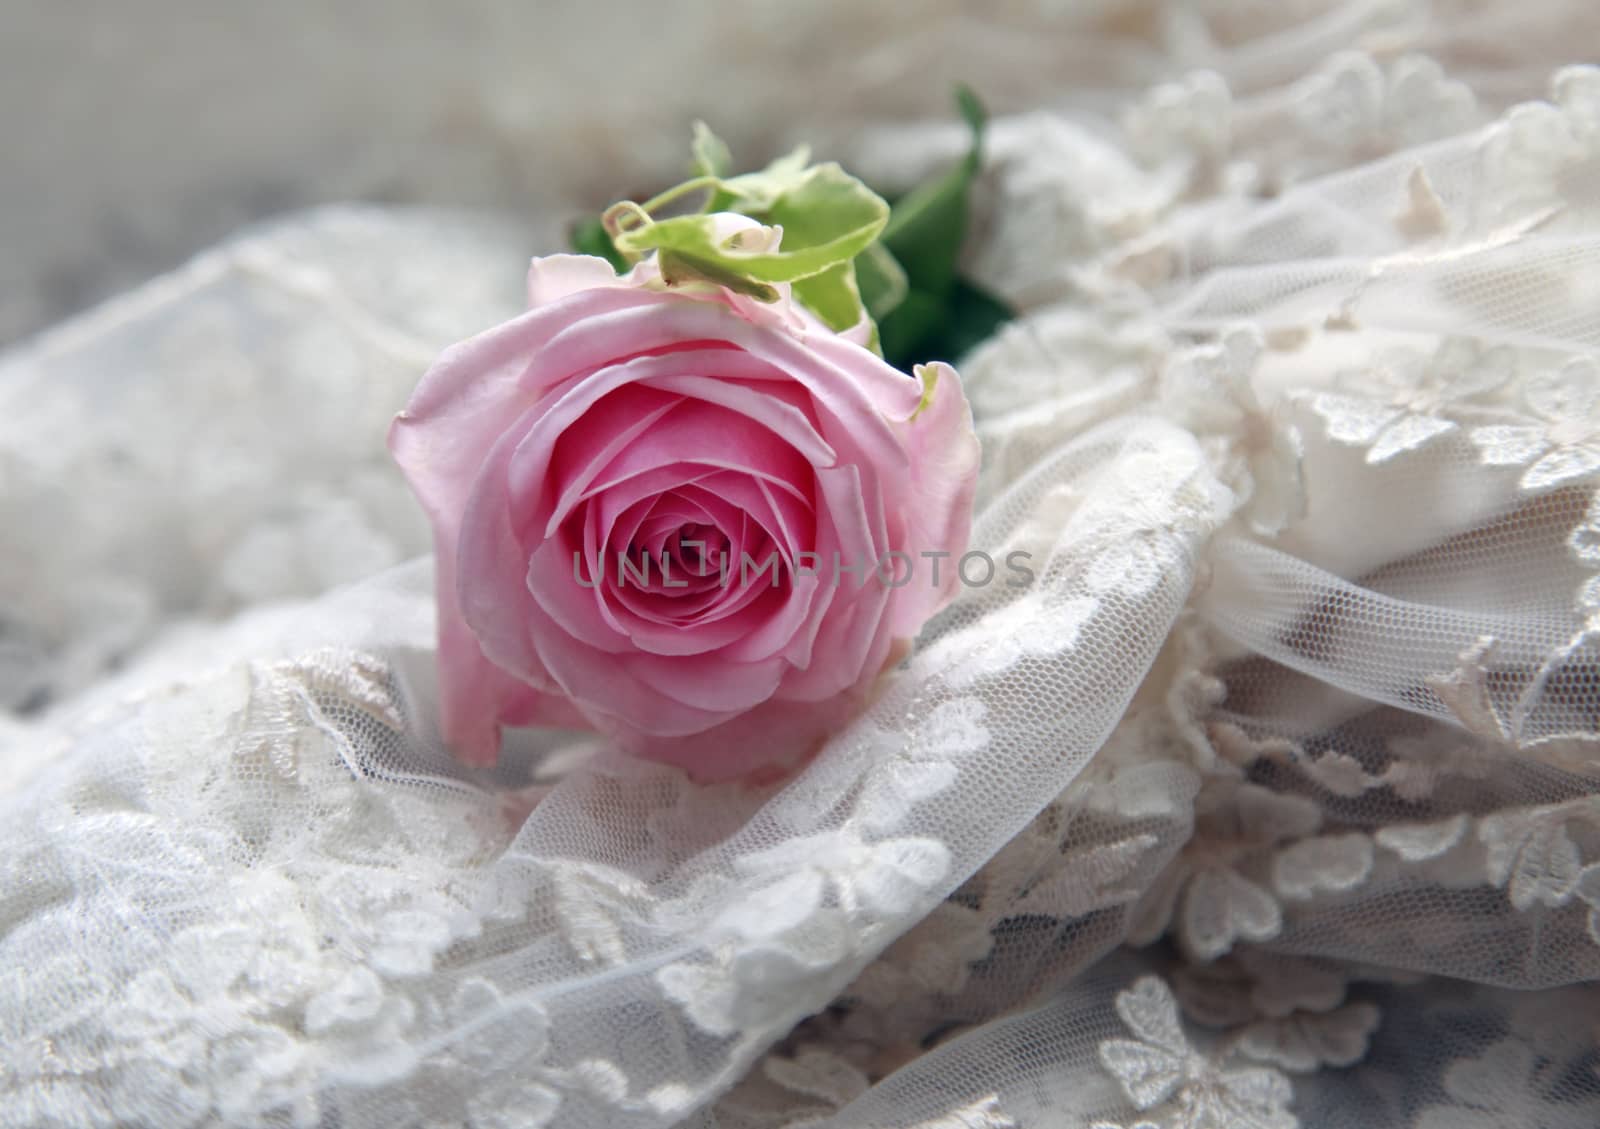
[(908, 334), (828, 217), (588, 237), (925, 328), (973, 113), (929, 223), (975, 315), (941, 316), (711, 154)]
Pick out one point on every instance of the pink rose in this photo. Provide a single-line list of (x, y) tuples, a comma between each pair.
[(680, 428)]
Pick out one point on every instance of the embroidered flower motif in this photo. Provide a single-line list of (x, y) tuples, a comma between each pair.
[(1545, 157), (925, 766), (1308, 1040), (880, 878), (1251, 982), (818, 1074), (1489, 1091), (1063, 195), (1421, 842), (748, 989), (1405, 400), (1058, 359), (1210, 389), (401, 928), (1090, 879), (1354, 105), (789, 934), (1326, 863), (1158, 1068), (591, 901), (1339, 773), (1545, 725), (934, 958), (1288, 1010), (1424, 104), (1530, 854), (527, 1106), (1033, 626), (1421, 762), (1211, 901), (696, 816), (1189, 121), (1564, 446), (1584, 540)]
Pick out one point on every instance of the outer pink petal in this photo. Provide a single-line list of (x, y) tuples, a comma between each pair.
[(474, 392), (554, 277), (851, 388), (723, 687), (601, 687), (743, 746), (938, 507), (475, 696)]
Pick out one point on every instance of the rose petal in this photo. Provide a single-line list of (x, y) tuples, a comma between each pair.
[(736, 688), (857, 639), (608, 695), (680, 436), (468, 399), (583, 418), (611, 425), (944, 473), (760, 405), (553, 277), (474, 693)]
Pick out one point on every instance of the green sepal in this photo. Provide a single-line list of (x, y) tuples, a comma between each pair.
[(845, 254), (835, 298), (828, 217), (679, 267), (929, 224)]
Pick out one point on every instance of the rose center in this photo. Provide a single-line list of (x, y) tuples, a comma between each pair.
[(696, 549)]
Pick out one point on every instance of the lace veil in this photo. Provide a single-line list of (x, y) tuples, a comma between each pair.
[(1271, 802)]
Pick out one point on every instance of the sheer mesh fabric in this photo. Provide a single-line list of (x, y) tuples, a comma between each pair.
[(1271, 801)]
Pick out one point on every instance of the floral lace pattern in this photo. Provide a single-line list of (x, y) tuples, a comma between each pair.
[(1269, 802), (1180, 1088)]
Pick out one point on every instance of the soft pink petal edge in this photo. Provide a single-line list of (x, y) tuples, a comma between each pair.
[(945, 455)]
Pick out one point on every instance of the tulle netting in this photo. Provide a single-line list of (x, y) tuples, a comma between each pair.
[(1271, 802)]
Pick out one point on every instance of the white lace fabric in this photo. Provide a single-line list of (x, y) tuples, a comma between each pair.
[(1272, 802)]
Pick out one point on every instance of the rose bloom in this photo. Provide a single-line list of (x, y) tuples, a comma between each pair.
[(675, 428)]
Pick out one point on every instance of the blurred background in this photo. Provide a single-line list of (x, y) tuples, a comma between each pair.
[(136, 135)]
